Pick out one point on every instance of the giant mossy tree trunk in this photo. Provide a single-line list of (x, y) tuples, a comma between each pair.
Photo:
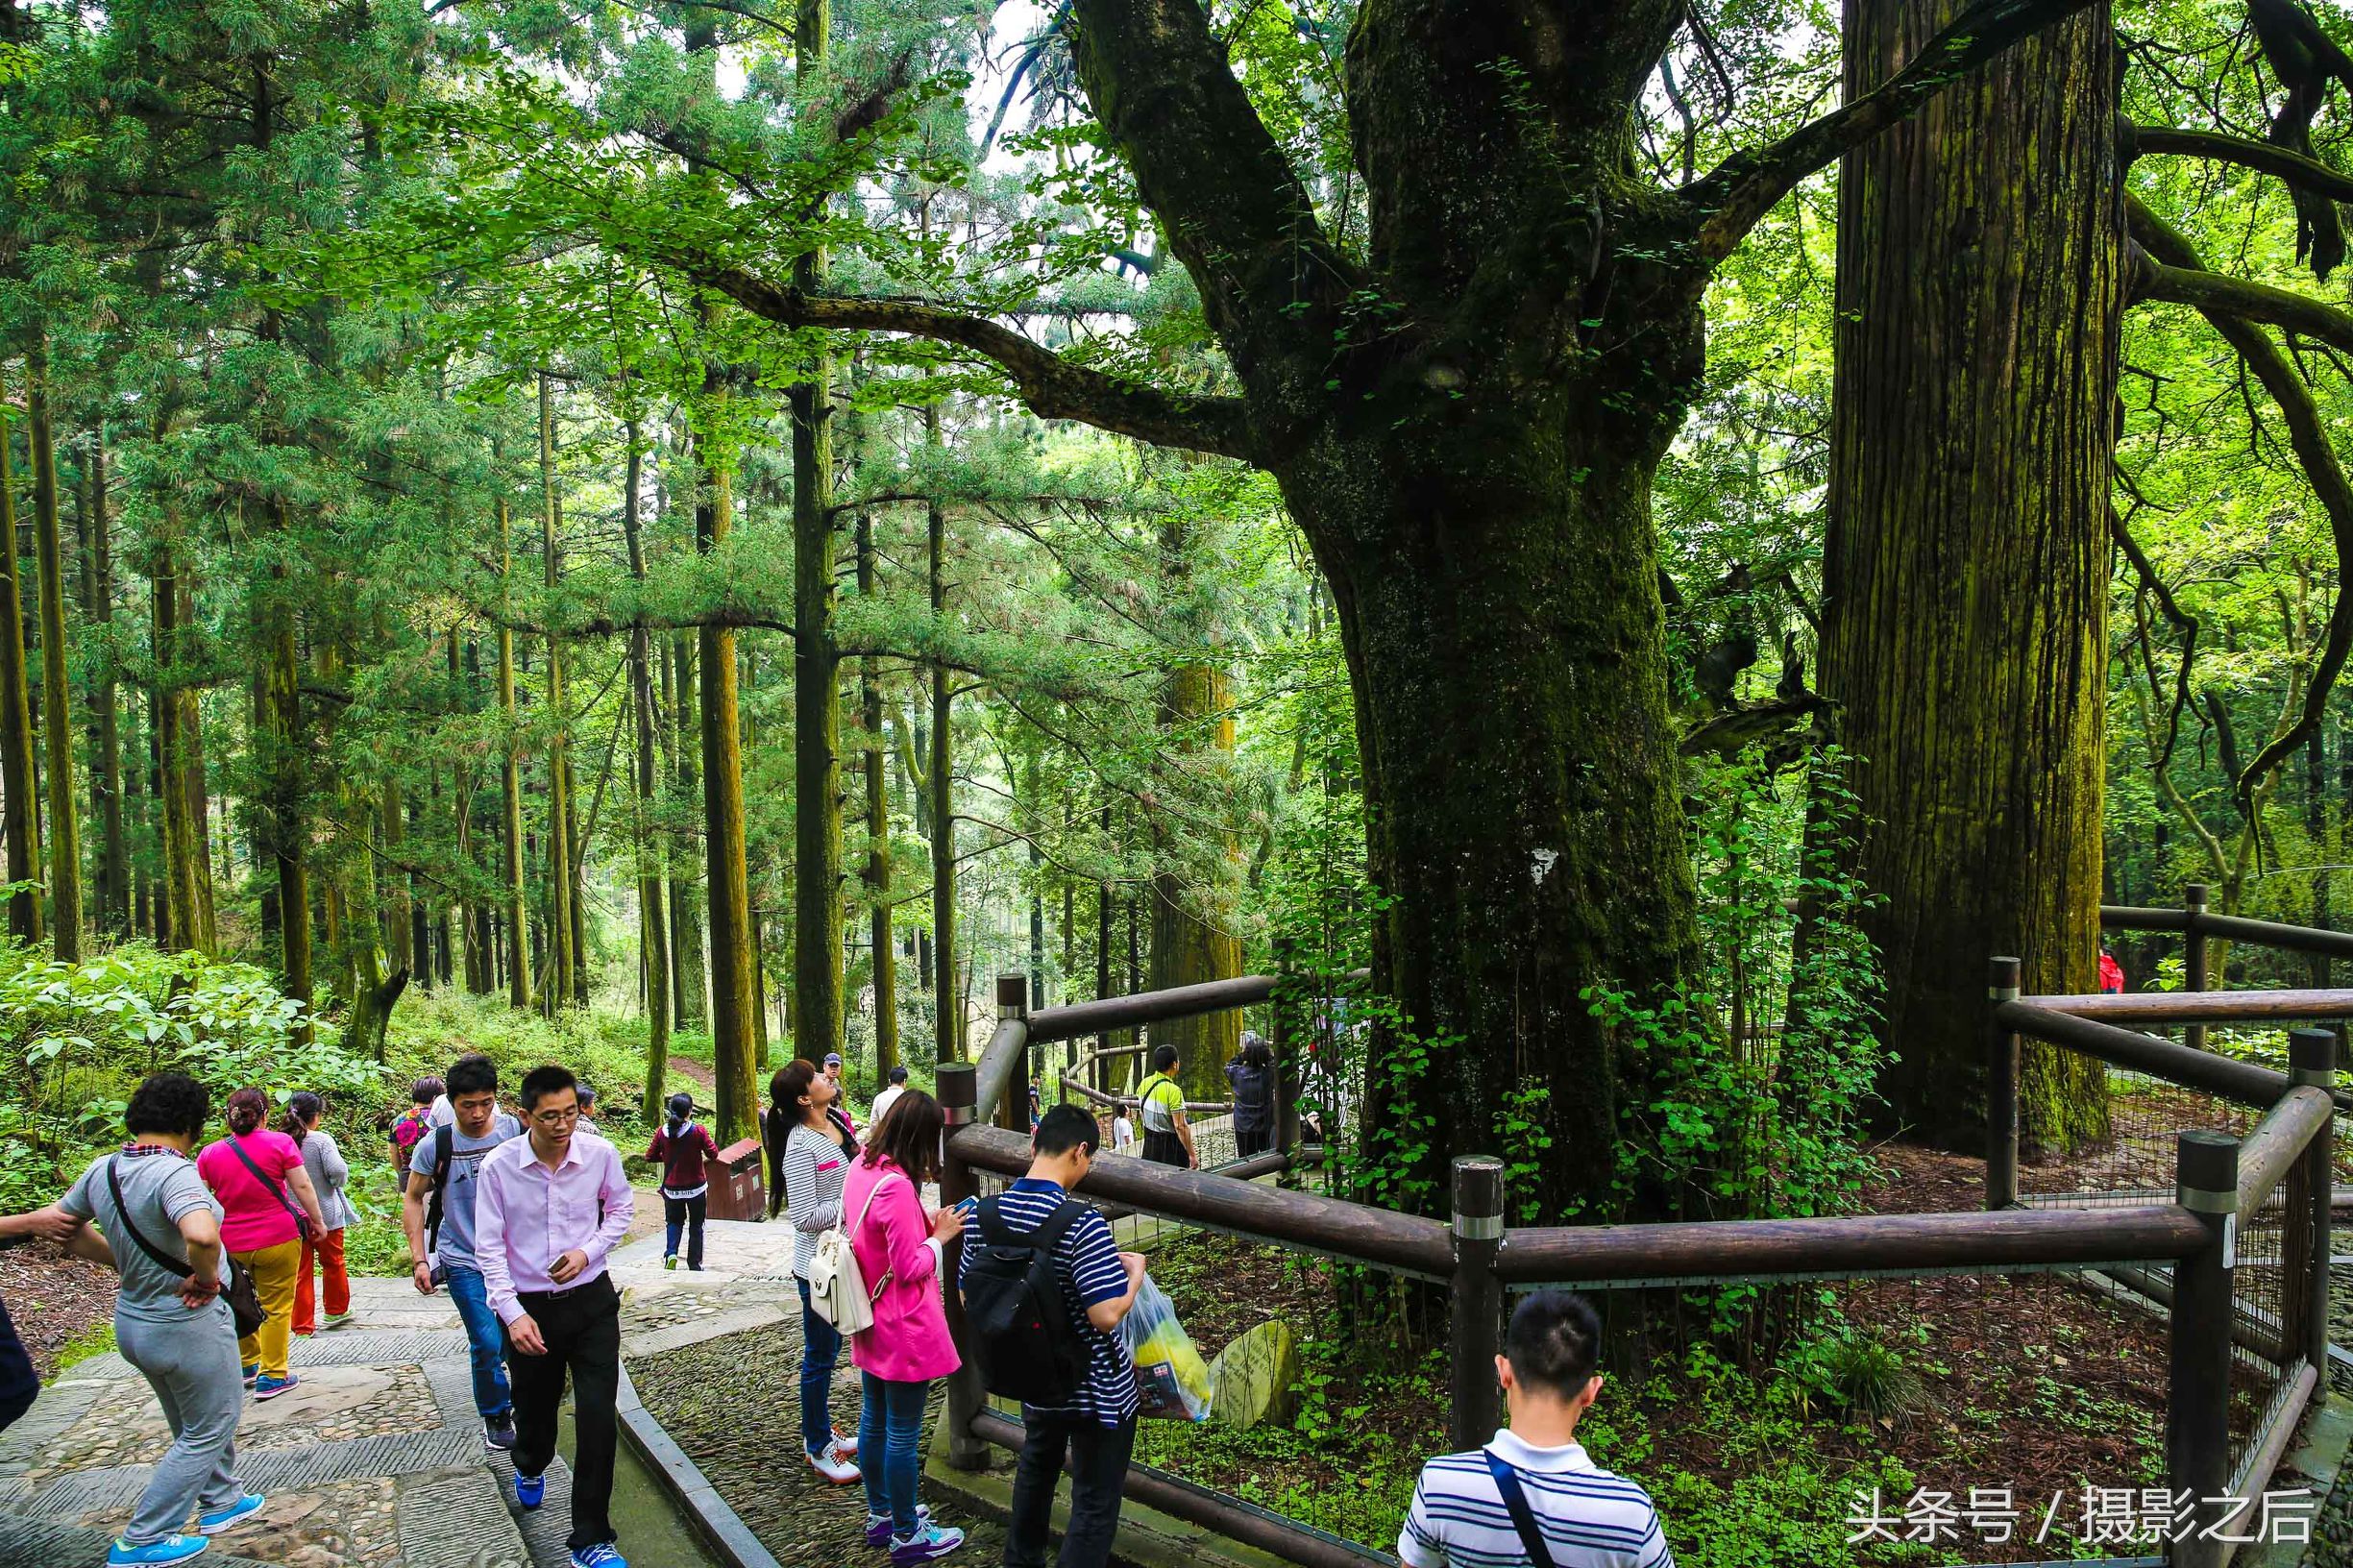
[(1980, 290), (65, 833), (282, 769), (21, 784), (734, 1047), (185, 911)]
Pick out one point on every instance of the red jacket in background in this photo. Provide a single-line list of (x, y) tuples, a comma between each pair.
[(682, 1161), (2111, 973)]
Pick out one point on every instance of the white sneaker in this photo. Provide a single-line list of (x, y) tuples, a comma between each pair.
[(832, 1466)]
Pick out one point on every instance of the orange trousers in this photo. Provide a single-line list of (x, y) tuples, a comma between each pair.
[(327, 1250)]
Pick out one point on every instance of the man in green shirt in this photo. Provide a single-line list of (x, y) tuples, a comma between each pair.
[(1167, 1137)]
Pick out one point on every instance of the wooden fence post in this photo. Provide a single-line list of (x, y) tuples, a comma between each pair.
[(2193, 956), (2002, 1090), (2198, 1335), (1478, 1300), (2304, 1251), (966, 1399), (1013, 1002)]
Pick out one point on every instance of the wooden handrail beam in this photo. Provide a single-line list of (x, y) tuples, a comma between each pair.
[(2201, 1006), (2241, 1081)]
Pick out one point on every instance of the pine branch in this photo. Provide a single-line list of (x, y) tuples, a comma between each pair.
[(1052, 386)]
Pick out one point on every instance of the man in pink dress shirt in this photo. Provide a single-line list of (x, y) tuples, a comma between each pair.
[(546, 1209)]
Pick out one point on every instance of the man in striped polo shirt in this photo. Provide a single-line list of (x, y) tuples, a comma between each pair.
[(1097, 1428), (1532, 1495)]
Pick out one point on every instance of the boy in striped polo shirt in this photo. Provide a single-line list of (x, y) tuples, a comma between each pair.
[(1097, 1429), (1532, 1495)]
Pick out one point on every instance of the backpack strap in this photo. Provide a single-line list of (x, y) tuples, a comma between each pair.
[(993, 1227), (122, 1212), (445, 1143), (1515, 1502)]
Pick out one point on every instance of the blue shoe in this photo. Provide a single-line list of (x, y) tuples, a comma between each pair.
[(531, 1490), (272, 1387), (602, 1554), (171, 1549), (229, 1517), (250, 1373)]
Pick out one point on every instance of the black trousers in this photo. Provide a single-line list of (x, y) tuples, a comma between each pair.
[(685, 1215), (1250, 1140), (19, 1383), (1098, 1464), (582, 1330), (1167, 1148)]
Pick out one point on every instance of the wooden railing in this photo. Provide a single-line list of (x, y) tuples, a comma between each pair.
[(2219, 1182)]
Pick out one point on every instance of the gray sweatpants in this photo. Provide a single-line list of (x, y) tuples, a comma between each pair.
[(193, 1368)]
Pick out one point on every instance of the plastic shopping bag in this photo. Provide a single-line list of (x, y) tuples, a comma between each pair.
[(1171, 1380)]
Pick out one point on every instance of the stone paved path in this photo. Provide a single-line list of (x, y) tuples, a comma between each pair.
[(375, 1460)]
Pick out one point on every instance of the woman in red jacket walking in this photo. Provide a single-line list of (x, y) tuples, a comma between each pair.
[(686, 1153)]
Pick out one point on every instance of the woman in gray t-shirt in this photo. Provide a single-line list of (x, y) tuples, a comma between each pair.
[(170, 1321), (322, 1254)]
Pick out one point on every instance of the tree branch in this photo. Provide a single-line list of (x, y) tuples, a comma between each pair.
[(2262, 157), (2223, 301), (2183, 621), (1738, 192), (1053, 388)]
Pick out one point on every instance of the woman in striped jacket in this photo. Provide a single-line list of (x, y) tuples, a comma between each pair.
[(809, 1150)]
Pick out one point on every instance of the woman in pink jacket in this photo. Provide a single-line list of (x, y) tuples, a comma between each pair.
[(899, 1248)]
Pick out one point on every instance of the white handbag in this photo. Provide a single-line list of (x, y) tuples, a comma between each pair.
[(837, 1289)]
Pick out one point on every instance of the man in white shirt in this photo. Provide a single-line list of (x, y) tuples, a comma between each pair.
[(888, 1099), (1532, 1495), (548, 1208)]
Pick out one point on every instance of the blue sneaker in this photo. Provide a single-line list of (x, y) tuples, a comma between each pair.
[(272, 1387), (250, 1373), (531, 1490), (229, 1517), (171, 1549), (602, 1554)]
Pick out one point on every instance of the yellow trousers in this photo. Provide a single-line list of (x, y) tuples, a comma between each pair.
[(275, 1270)]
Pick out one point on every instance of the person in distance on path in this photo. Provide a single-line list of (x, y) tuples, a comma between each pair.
[(546, 1209), (1167, 1137)]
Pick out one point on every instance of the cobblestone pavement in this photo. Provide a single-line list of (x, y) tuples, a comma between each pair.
[(375, 1459)]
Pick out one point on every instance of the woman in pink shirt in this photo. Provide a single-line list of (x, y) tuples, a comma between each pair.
[(257, 1174), (899, 1249)]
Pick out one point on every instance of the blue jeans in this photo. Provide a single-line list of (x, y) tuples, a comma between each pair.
[(891, 1448), (486, 1339), (820, 1351)]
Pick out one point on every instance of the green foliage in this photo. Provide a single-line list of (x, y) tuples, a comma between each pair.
[(1858, 1374), (1761, 1082), (86, 1034)]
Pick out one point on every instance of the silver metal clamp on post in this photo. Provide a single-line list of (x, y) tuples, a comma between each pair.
[(1478, 1299)]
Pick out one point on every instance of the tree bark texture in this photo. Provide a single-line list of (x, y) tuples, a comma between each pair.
[(652, 890), (940, 776), (1195, 716), (816, 673), (16, 803), (64, 830), (510, 786), (877, 833), (733, 1046), (560, 927), (106, 768), (688, 970), (1981, 290)]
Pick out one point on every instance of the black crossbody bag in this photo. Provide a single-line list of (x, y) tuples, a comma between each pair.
[(301, 1221), (244, 1305)]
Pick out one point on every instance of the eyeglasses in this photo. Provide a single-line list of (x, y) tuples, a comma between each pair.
[(570, 1113)]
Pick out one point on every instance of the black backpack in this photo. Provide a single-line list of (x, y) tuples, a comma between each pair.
[(1023, 1333)]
